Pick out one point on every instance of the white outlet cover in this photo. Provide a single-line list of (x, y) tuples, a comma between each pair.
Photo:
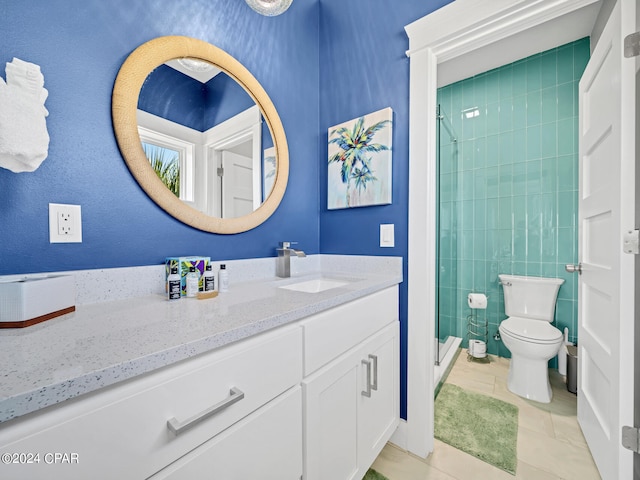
[(74, 212)]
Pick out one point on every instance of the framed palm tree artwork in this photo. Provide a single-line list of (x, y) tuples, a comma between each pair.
[(359, 168)]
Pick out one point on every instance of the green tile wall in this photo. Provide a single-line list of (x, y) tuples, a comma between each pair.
[(512, 188)]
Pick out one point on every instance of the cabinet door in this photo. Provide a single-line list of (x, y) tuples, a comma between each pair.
[(351, 408), (266, 445), (378, 414), (330, 421)]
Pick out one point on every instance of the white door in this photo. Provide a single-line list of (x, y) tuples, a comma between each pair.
[(606, 209), (237, 185)]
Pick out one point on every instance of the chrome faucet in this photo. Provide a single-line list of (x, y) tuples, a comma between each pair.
[(283, 265)]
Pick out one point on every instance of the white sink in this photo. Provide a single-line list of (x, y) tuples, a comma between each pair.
[(316, 285)]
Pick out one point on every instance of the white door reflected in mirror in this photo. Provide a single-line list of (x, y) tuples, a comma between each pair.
[(237, 184)]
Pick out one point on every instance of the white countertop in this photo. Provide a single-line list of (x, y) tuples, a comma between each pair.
[(101, 344)]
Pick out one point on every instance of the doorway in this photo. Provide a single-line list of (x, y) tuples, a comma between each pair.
[(494, 34)]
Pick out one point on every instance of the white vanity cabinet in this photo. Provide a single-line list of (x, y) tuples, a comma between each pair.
[(124, 431), (314, 399), (351, 387)]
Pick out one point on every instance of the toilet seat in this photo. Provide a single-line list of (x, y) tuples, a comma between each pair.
[(533, 331)]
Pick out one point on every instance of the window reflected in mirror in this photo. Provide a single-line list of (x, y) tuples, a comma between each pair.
[(166, 163)]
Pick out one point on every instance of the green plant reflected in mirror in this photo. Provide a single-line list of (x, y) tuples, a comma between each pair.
[(166, 163)]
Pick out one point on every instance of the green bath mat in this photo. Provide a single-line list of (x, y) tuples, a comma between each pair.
[(482, 426), (373, 475)]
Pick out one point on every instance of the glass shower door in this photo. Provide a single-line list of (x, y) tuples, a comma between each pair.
[(446, 225)]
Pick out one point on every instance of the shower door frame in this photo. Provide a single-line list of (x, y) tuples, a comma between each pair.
[(441, 352)]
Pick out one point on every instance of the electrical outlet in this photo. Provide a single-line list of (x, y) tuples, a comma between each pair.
[(65, 223)]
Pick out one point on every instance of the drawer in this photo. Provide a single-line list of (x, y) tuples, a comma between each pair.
[(265, 445), (333, 332), (123, 433)]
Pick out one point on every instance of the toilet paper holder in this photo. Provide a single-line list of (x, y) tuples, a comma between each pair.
[(477, 328), (477, 301)]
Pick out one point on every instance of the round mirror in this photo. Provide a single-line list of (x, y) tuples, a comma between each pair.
[(200, 134)]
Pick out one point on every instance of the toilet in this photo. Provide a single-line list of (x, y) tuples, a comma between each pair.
[(530, 303)]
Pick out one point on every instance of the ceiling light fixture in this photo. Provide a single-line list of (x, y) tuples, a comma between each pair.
[(195, 65), (269, 8)]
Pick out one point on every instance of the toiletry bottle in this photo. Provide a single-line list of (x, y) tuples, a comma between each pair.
[(192, 282), (209, 279), (173, 285), (223, 279)]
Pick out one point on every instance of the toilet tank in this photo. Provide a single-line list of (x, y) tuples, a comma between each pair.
[(530, 297)]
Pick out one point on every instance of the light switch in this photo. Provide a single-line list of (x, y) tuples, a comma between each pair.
[(387, 235)]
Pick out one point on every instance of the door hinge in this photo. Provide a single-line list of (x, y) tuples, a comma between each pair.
[(631, 242), (632, 45), (220, 172), (631, 438)]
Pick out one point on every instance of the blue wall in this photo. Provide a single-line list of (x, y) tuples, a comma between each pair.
[(172, 95), (175, 96), (323, 62), (364, 69), (225, 99), (80, 45)]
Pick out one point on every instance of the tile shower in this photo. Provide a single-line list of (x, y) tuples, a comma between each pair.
[(509, 194)]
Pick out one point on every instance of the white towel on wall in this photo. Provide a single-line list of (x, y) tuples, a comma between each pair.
[(24, 140)]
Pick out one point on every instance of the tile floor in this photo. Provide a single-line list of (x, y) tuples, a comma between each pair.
[(550, 443)]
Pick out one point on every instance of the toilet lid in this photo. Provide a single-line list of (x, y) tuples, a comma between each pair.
[(537, 331)]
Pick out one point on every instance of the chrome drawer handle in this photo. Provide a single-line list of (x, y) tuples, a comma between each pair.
[(177, 427), (367, 392), (374, 385)]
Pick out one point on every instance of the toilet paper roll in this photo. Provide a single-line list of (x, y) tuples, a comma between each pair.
[(477, 348), (477, 300)]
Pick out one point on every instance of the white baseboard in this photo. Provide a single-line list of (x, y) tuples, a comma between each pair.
[(399, 437)]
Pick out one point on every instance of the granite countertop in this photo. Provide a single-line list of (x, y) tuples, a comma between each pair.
[(103, 343)]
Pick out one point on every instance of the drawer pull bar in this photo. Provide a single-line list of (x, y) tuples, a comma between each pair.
[(374, 385), (177, 427), (367, 392)]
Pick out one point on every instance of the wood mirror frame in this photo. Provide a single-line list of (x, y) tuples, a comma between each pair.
[(142, 61)]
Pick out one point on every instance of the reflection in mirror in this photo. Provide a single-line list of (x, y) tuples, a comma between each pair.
[(166, 163), (132, 77), (205, 138)]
